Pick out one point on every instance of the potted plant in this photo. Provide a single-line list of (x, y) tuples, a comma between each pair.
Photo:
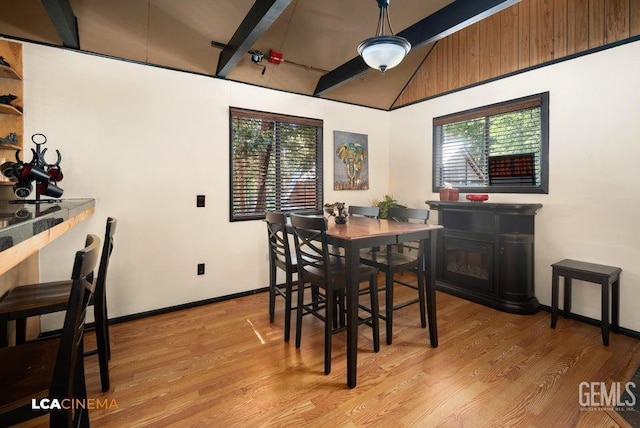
[(384, 205)]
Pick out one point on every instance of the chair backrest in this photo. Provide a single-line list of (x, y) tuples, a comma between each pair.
[(408, 214), (373, 212), (105, 256), (411, 215), (279, 248), (64, 383), (312, 249)]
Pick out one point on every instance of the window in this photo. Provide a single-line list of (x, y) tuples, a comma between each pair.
[(276, 164), (501, 148)]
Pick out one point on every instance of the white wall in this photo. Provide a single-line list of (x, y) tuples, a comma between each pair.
[(144, 141), (591, 211)]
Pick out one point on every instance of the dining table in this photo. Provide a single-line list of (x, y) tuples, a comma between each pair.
[(364, 232)]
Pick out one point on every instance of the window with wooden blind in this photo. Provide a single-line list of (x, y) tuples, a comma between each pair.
[(276, 164), (501, 148)]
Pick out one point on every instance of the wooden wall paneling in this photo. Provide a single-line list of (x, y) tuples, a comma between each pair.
[(462, 57), (403, 98), (616, 14), (559, 28), (409, 92), (634, 18), (489, 47), (546, 29), (541, 31), (442, 66), (528, 33), (431, 72), (469, 51), (524, 33), (453, 52), (509, 39), (416, 89), (596, 23), (577, 26)]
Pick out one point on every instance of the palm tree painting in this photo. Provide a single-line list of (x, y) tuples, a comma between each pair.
[(350, 161)]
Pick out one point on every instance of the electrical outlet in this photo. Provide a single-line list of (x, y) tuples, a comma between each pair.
[(199, 201), (200, 268)]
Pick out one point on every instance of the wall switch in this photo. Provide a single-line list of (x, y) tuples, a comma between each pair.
[(200, 201), (200, 268)]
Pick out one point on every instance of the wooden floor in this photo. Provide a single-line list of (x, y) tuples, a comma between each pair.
[(224, 365)]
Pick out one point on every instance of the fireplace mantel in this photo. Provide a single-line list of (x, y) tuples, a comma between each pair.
[(498, 208), (486, 253)]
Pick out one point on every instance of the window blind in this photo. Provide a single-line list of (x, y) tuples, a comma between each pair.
[(498, 148), (276, 164)]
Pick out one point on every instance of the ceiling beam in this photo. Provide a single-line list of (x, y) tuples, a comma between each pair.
[(262, 14), (65, 22), (451, 18)]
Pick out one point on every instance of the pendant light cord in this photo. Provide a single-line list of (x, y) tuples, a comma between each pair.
[(382, 17)]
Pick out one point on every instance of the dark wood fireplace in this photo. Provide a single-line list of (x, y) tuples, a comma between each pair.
[(468, 262), (486, 253)]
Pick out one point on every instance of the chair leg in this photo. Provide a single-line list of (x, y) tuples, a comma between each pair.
[(389, 304), (287, 307), (375, 324), (80, 388), (272, 293), (106, 329), (65, 417), (422, 297), (328, 328), (102, 345), (299, 312)]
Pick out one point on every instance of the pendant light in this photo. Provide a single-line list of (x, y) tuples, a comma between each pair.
[(384, 52)]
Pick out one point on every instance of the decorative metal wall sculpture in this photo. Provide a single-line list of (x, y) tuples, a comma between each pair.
[(46, 175)]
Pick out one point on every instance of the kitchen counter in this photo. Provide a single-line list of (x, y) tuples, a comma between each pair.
[(25, 228)]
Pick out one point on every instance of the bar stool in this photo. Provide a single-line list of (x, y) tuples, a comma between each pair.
[(52, 369), (606, 276), (280, 257), (316, 265), (397, 259), (31, 300)]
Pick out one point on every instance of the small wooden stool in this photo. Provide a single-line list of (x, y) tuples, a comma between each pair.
[(600, 274)]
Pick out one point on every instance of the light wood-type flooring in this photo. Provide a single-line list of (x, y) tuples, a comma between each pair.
[(225, 365)]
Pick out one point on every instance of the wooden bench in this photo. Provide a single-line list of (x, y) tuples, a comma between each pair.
[(606, 276)]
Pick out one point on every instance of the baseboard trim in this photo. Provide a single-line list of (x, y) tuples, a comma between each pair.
[(132, 317), (190, 305), (592, 321), (137, 316)]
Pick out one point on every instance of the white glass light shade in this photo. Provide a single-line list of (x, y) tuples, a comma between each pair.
[(384, 52)]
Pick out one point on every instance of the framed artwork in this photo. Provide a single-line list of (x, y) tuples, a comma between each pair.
[(350, 161)]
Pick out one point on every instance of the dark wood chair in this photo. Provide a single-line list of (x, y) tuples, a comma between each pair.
[(52, 368), (42, 298), (327, 272), (400, 258), (280, 257), (372, 212)]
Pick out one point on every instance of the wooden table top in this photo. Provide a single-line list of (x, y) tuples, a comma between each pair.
[(364, 227)]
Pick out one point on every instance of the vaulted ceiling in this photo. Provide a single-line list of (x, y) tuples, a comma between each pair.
[(317, 38)]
